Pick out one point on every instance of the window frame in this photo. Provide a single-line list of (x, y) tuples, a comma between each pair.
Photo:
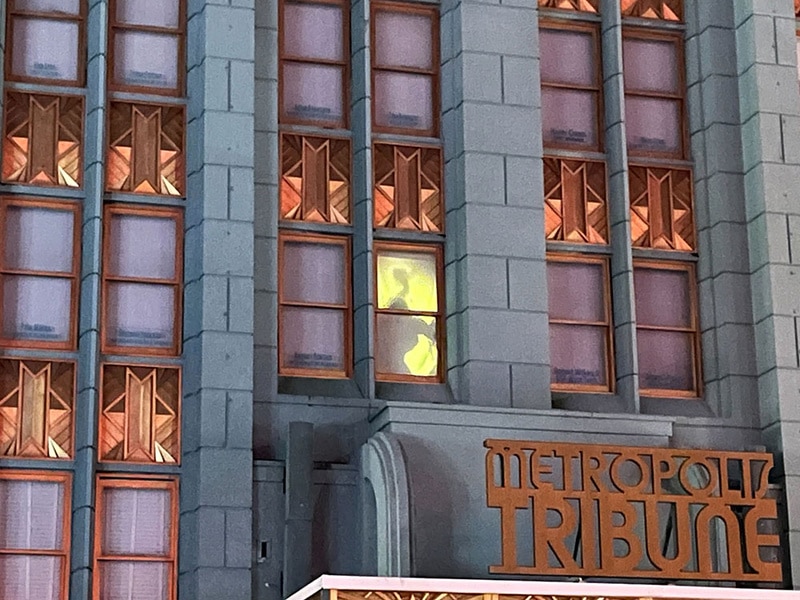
[(640, 32), (115, 27), (62, 205), (65, 478), (12, 12), (434, 72), (176, 214), (437, 251), (294, 235), (592, 28), (344, 64), (136, 482), (694, 330), (604, 261)]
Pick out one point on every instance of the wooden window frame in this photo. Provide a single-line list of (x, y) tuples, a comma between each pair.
[(593, 29), (677, 38), (345, 242), (115, 27), (75, 209), (437, 251), (65, 478), (689, 268), (137, 482), (434, 72), (176, 214), (608, 323), (80, 19), (344, 64)]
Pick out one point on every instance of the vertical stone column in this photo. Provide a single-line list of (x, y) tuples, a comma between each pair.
[(81, 551), (729, 369), (497, 322), (770, 128), (216, 490), (625, 357)]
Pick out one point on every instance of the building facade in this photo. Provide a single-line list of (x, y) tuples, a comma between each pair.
[(460, 289)]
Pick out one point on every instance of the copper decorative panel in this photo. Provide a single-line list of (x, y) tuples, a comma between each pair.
[(661, 208), (42, 139), (36, 408), (315, 179), (575, 201), (617, 511), (797, 8), (140, 419), (666, 10), (592, 6), (408, 187), (146, 153)]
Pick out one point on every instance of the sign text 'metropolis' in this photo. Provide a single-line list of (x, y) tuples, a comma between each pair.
[(618, 511)]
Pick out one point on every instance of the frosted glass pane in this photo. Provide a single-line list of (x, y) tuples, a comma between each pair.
[(403, 40), (566, 57), (569, 117), (31, 515), (312, 31), (39, 239), (158, 13), (45, 48), (312, 92), (406, 345), (140, 314), (312, 338), (407, 281), (403, 100), (662, 297), (36, 308), (313, 273), (136, 522), (134, 581), (650, 65), (64, 7), (578, 354), (146, 59), (665, 360), (652, 124), (142, 247), (30, 577), (575, 291)]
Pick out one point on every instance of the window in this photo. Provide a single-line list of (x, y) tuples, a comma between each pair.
[(39, 273), (408, 319), (34, 535), (142, 280), (314, 63), (405, 69), (314, 312), (580, 332), (136, 539)]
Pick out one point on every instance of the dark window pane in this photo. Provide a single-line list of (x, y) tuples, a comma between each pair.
[(312, 338), (575, 291), (36, 308), (406, 345), (44, 48), (578, 355), (569, 117), (653, 124), (403, 40), (567, 57), (313, 31), (313, 273), (665, 360), (662, 297)]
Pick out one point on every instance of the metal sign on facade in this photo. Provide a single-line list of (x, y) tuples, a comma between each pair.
[(617, 511)]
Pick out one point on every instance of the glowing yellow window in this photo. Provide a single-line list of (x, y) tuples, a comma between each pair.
[(408, 321)]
